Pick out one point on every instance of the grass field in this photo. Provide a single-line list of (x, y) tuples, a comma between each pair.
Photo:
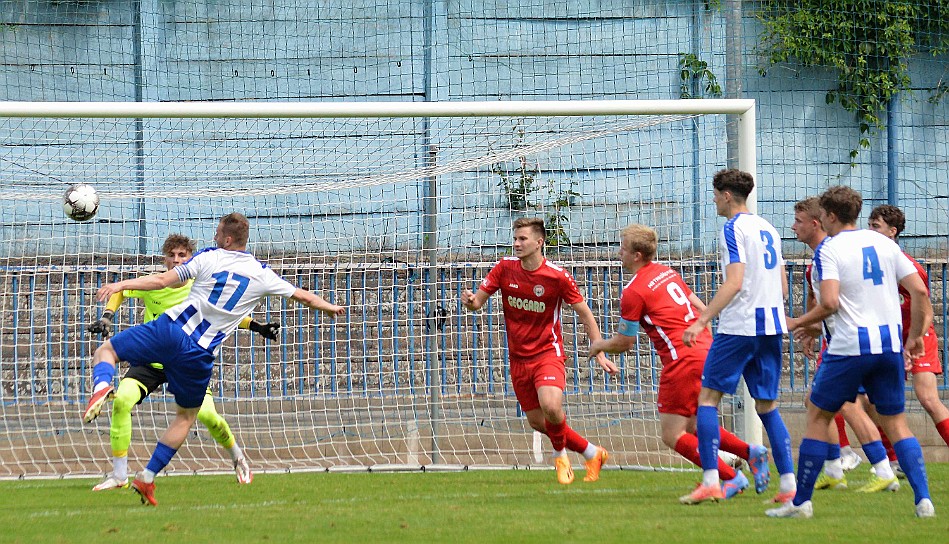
[(457, 507)]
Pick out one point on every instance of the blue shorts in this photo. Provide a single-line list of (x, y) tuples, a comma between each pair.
[(839, 377), (187, 365), (756, 358)]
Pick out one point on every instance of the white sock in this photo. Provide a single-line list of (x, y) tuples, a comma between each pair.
[(100, 386), (834, 469), (883, 470), (846, 450), (788, 482), (710, 477), (590, 452), (148, 476), (235, 452), (120, 468)]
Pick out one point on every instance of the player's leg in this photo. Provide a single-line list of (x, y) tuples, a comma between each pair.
[(811, 456), (221, 432), (129, 393), (104, 360), (849, 459), (924, 384), (172, 439), (832, 476), (876, 446), (762, 377)]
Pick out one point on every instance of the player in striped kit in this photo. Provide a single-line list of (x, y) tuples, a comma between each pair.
[(750, 307), (228, 283), (658, 299), (857, 274), (532, 293)]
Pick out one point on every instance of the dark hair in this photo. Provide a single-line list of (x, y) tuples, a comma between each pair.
[(236, 226), (174, 241), (843, 202), (735, 181), (534, 223), (891, 215)]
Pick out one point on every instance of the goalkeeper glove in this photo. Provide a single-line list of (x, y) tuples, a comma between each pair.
[(267, 330), (103, 326)]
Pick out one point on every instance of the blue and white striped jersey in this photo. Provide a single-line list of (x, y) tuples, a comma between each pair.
[(758, 309), (227, 286), (869, 267)]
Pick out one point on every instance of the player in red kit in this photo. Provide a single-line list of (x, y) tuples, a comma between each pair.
[(532, 292), (658, 299)]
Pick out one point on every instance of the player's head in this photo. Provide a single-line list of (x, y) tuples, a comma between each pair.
[(177, 249), (731, 187), (232, 232), (529, 235), (635, 239), (840, 206), (807, 226), (887, 220)]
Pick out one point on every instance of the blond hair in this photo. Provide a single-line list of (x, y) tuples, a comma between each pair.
[(641, 239)]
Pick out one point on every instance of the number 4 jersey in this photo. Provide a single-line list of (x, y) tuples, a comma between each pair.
[(869, 267), (658, 299), (227, 286)]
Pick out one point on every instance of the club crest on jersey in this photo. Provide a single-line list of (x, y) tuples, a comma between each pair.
[(538, 290)]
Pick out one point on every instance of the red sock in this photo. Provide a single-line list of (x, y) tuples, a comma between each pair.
[(890, 454), (557, 434), (732, 444), (943, 429), (841, 430), (574, 441), (688, 446)]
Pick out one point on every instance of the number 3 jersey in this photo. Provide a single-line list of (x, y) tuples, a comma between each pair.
[(869, 267), (658, 299), (227, 286), (758, 308)]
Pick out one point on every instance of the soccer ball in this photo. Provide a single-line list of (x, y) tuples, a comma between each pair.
[(81, 202)]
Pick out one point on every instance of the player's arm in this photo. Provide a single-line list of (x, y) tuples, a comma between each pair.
[(145, 283), (828, 305), (474, 301), (585, 314), (734, 275), (267, 330), (806, 335), (784, 281), (316, 302), (920, 312), (620, 342), (103, 325)]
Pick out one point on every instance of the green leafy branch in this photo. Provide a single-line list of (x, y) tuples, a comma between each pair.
[(695, 71)]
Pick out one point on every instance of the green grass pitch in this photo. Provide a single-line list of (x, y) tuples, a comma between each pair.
[(456, 507)]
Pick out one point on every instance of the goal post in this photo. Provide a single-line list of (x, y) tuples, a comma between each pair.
[(389, 208)]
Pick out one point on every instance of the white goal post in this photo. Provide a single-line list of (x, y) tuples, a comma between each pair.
[(390, 208)]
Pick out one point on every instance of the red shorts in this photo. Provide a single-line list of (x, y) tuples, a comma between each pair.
[(929, 362), (527, 376), (679, 385)]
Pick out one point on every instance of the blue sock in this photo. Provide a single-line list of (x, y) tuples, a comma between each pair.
[(833, 452), (780, 441), (706, 428), (810, 461), (911, 460), (160, 458), (874, 451), (103, 372)]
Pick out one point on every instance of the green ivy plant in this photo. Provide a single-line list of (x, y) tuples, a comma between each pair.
[(693, 70), (868, 43), (518, 183), (556, 219)]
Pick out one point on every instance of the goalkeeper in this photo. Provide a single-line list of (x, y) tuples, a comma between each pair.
[(141, 381)]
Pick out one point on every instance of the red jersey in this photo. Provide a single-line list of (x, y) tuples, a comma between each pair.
[(930, 343), (531, 301), (659, 299)]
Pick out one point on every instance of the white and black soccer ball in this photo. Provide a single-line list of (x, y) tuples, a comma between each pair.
[(81, 202)]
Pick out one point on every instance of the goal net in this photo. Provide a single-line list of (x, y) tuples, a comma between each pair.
[(388, 209)]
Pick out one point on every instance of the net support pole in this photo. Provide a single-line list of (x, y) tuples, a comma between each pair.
[(748, 162)]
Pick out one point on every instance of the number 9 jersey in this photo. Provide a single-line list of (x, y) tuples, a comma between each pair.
[(227, 286), (658, 299)]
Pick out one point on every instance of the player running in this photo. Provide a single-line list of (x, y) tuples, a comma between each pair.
[(658, 299), (228, 283), (141, 381), (857, 274), (532, 292)]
